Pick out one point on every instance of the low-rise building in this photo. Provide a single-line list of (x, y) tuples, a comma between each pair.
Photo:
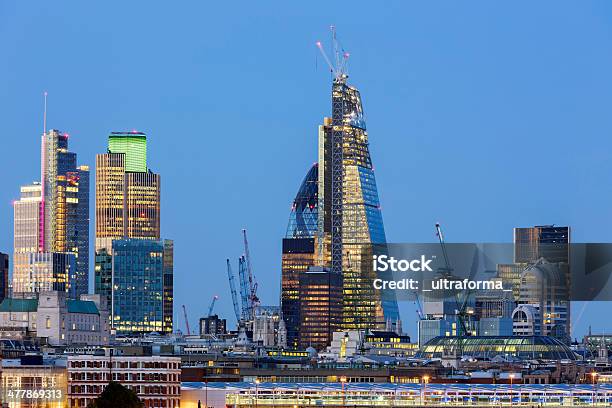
[(56, 320), (155, 379), (32, 381)]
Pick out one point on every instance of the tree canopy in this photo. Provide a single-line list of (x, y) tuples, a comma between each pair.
[(116, 395)]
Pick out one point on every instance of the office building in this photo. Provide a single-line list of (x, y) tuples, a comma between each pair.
[(543, 241), (51, 223), (212, 326), (298, 251), (4, 276), (351, 216), (155, 379), (136, 296), (127, 192), (320, 294), (545, 278), (35, 272), (27, 221), (134, 146), (334, 221), (65, 205)]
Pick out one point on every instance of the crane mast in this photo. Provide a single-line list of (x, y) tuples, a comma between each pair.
[(186, 320), (461, 307), (231, 278), (244, 287), (253, 300)]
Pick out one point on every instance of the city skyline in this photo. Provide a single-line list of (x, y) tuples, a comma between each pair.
[(398, 205)]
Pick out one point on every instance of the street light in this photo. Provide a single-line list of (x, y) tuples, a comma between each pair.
[(594, 377), (511, 380), (425, 379), (256, 391), (343, 381)]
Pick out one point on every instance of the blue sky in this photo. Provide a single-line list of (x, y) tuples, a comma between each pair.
[(482, 116)]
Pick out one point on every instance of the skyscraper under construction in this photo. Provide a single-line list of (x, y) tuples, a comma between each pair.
[(348, 217), (351, 219)]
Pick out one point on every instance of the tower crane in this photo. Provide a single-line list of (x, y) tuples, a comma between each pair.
[(253, 299), (461, 308), (231, 278), (339, 67), (212, 305), (186, 320), (244, 287)]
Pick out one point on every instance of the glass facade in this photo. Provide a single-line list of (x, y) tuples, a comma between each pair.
[(298, 251), (51, 223), (127, 193), (134, 146), (35, 272), (137, 298), (303, 218), (487, 347), (362, 222)]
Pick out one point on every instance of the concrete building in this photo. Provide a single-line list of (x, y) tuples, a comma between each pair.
[(55, 319), (35, 374), (526, 320), (268, 328), (155, 379)]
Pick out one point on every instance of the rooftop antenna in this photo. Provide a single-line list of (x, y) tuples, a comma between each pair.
[(339, 66)]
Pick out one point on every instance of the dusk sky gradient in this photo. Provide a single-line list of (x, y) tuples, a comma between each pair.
[(481, 115)]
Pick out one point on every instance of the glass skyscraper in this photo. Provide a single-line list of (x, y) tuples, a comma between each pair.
[(350, 218), (335, 217), (127, 192), (51, 222), (137, 281), (298, 251), (128, 244)]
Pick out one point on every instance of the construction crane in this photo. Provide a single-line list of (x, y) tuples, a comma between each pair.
[(212, 305), (419, 308), (461, 307), (339, 67), (253, 299), (186, 320), (231, 278), (244, 287)]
